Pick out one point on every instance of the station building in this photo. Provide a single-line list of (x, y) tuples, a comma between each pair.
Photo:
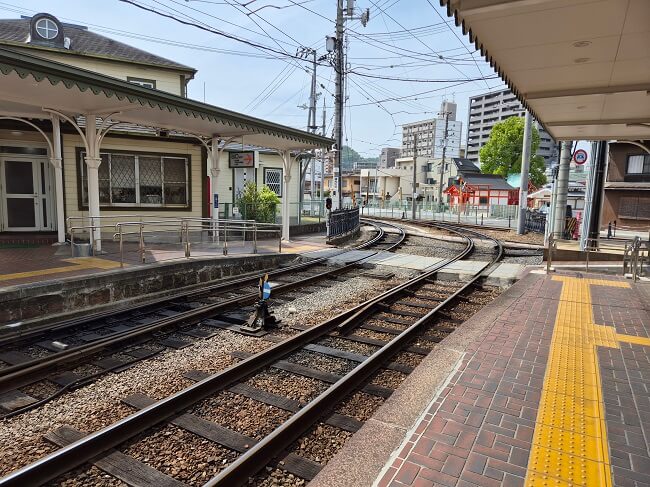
[(66, 86)]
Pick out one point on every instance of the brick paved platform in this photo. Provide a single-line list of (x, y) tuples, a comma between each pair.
[(555, 392)]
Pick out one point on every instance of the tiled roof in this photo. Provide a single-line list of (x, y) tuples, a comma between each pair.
[(493, 180), (83, 42), (465, 165)]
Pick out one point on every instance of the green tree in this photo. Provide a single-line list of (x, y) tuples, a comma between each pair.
[(258, 204), (502, 153)]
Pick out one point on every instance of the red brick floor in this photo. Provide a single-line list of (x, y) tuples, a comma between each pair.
[(479, 430)]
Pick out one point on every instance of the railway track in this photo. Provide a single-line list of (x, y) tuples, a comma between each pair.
[(409, 317), (113, 341)]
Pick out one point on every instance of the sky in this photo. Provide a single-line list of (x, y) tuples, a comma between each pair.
[(393, 61)]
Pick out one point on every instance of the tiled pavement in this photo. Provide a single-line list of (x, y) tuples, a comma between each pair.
[(511, 417)]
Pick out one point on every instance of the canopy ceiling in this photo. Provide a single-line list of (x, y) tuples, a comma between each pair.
[(582, 67), (28, 84)]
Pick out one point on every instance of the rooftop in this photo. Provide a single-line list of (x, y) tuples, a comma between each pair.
[(16, 33)]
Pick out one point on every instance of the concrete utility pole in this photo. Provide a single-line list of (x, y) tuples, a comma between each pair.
[(525, 169), (415, 174), (322, 159), (338, 102), (562, 191), (444, 153), (339, 97)]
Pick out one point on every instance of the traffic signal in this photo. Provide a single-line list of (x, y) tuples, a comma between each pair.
[(328, 203)]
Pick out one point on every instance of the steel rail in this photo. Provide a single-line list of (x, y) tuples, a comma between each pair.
[(18, 337), (94, 444), (21, 336), (25, 373), (281, 438)]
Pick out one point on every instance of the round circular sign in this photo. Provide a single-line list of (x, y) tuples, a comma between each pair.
[(580, 156)]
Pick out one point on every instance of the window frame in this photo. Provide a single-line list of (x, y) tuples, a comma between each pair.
[(138, 205), (645, 166), (142, 81), (276, 169), (44, 20)]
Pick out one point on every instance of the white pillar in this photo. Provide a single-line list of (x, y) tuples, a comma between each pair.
[(213, 157), (55, 160), (287, 163), (92, 166)]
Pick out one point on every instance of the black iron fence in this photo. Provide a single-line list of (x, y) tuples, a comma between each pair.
[(535, 221), (342, 222)]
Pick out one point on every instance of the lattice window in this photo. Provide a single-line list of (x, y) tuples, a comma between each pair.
[(150, 180), (122, 178), (273, 179), (175, 177), (139, 179)]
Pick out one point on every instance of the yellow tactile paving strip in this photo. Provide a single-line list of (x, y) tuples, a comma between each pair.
[(80, 263), (570, 439)]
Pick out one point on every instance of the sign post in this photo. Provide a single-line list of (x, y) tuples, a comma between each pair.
[(215, 217)]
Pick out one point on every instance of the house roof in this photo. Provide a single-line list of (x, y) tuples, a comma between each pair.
[(83, 42), (465, 165), (494, 181)]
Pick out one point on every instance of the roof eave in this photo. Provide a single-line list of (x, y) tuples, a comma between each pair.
[(39, 68)]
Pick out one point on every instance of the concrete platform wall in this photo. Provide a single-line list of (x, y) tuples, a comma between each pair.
[(77, 295)]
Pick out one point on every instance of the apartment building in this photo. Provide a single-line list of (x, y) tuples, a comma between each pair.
[(488, 109), (431, 134), (388, 156)]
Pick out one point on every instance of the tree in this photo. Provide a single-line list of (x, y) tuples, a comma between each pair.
[(349, 155), (502, 152), (257, 204)]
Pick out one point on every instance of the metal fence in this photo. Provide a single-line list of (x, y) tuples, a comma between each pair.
[(342, 222), (146, 239), (535, 221)]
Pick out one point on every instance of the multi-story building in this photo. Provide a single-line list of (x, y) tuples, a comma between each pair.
[(488, 109), (431, 134), (388, 156)]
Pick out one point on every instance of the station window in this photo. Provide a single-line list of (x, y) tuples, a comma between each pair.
[(273, 179), (139, 180), (638, 164), (147, 83)]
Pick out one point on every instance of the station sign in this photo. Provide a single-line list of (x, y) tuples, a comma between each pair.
[(241, 159), (580, 157), (216, 200)]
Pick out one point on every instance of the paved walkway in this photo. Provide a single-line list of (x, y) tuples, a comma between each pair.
[(556, 392), (46, 262)]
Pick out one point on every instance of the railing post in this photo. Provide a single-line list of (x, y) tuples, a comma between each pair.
[(587, 248), (71, 242), (92, 234), (187, 240), (225, 238), (121, 246), (141, 244), (255, 238), (280, 242), (549, 260)]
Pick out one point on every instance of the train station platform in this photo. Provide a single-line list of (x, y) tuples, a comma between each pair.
[(42, 263), (549, 385)]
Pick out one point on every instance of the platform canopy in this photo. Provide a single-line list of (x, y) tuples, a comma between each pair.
[(29, 84), (582, 67)]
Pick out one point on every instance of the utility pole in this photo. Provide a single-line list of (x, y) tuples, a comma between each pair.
[(562, 189), (444, 153), (338, 102), (335, 45), (306, 52), (322, 159), (415, 174), (525, 168)]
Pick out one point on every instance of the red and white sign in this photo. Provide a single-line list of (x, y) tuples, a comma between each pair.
[(580, 156)]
